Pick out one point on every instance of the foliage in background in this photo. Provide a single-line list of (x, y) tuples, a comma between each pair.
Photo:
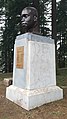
[(12, 27), (45, 16), (62, 33), (10, 11)]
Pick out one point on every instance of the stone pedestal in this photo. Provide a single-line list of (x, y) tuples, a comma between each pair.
[(34, 78)]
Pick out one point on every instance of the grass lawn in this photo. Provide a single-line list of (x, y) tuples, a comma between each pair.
[(62, 77)]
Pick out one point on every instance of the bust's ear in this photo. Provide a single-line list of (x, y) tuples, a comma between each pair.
[(35, 18)]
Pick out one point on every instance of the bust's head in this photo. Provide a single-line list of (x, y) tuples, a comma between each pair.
[(29, 18)]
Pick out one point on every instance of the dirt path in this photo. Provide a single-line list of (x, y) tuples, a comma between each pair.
[(9, 110)]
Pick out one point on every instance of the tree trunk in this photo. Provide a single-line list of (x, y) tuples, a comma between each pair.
[(54, 27)]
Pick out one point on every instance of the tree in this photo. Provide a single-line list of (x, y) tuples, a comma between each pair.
[(2, 19), (44, 19), (54, 19), (62, 32), (54, 29)]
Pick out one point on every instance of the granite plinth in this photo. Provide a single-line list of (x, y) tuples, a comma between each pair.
[(39, 62), (34, 75)]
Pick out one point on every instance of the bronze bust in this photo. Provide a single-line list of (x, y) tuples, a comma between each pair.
[(29, 20)]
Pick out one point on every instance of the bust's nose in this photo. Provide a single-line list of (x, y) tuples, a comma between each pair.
[(23, 19)]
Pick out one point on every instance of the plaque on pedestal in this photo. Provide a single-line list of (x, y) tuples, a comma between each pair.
[(20, 57)]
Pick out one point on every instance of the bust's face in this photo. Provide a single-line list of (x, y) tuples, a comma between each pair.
[(27, 18)]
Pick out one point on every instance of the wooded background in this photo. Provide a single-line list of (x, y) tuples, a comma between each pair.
[(52, 22)]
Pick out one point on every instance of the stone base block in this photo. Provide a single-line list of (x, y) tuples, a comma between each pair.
[(29, 99), (8, 81)]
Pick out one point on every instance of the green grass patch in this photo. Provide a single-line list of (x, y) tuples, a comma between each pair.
[(62, 77)]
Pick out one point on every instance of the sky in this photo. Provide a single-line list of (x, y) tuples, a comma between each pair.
[(58, 0)]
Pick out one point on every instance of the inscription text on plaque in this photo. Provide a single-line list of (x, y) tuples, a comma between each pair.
[(20, 57)]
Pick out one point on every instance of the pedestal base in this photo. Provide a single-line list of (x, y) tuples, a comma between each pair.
[(29, 99)]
